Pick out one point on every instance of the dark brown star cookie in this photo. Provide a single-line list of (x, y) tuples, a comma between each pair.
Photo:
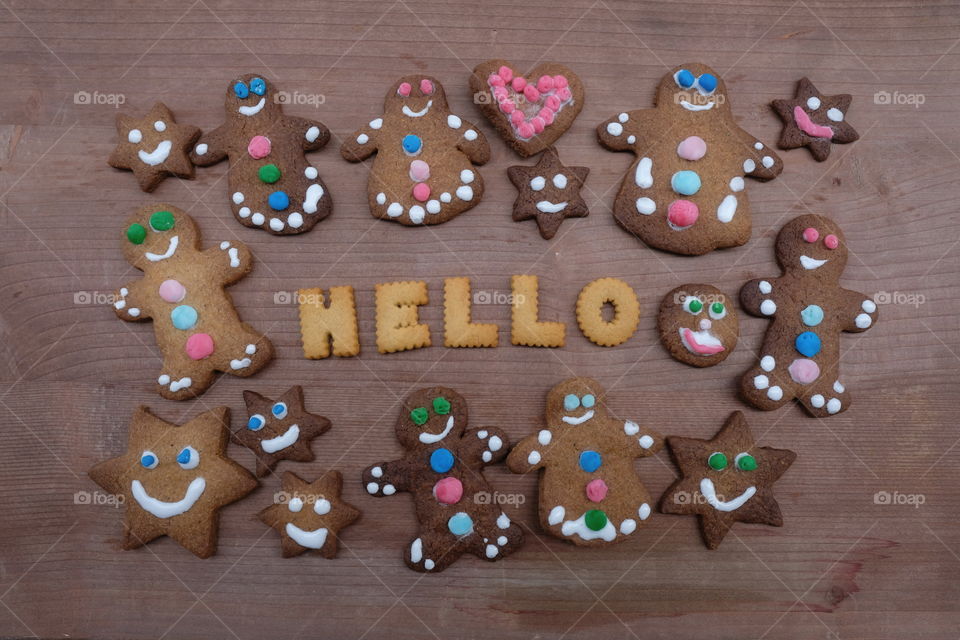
[(279, 430), (726, 479), (154, 147), (309, 515), (814, 120), (549, 192)]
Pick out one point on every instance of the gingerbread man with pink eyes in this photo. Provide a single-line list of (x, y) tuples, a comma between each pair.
[(800, 355)]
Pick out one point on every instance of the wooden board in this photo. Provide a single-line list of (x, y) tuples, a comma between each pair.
[(844, 566)]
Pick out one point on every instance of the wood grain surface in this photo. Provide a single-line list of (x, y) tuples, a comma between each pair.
[(870, 546)]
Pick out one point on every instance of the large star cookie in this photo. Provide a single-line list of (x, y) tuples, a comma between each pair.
[(549, 192), (174, 479), (310, 515), (279, 430), (814, 120), (154, 147), (725, 480)]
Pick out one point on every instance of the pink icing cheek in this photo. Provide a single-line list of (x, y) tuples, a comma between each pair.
[(560, 82), (544, 84), (506, 73), (831, 241), (419, 171), (596, 490), (538, 124), (421, 191), (259, 147), (519, 83), (495, 80), (546, 115), (530, 93), (810, 234), (692, 148), (404, 89), (804, 371), (564, 94), (508, 107), (449, 490), (426, 87), (552, 103), (516, 118), (172, 291), (199, 346), (525, 130)]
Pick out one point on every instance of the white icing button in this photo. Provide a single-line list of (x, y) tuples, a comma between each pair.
[(644, 511), (363, 138), (466, 176), (833, 406), (615, 128), (492, 551), (646, 206), (630, 140), (257, 219), (465, 193), (433, 206), (295, 220), (417, 213), (237, 197), (494, 443), (376, 124), (767, 363), (160, 125), (276, 224), (502, 540), (381, 198), (244, 212), (470, 134), (560, 181), (538, 183), (839, 388), (224, 245), (749, 165), (445, 197), (768, 307), (164, 379), (533, 458), (295, 505), (310, 173), (200, 149), (482, 434), (813, 103), (646, 442), (623, 117), (453, 121), (503, 521), (835, 114), (765, 287), (869, 306), (389, 490), (251, 349), (736, 184), (487, 456), (817, 400), (758, 145), (312, 134), (767, 161), (395, 209), (761, 382), (135, 136), (372, 487), (544, 437), (775, 393), (428, 565), (628, 526), (631, 428), (556, 515), (863, 321)]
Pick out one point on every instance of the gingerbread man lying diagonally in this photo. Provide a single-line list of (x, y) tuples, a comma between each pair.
[(442, 468), (197, 328), (800, 355)]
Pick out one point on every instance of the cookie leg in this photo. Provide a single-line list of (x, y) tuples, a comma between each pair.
[(242, 352), (494, 542), (764, 386), (180, 379), (825, 398), (431, 554)]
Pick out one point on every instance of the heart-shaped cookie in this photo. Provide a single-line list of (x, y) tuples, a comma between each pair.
[(529, 111)]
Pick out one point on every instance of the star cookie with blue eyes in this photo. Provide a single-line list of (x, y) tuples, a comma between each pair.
[(309, 515), (173, 479), (154, 146), (549, 192), (279, 429), (814, 120), (726, 479)]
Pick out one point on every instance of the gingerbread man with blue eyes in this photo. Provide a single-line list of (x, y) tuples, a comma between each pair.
[(800, 356), (424, 170), (272, 185), (685, 192), (443, 468), (590, 494)]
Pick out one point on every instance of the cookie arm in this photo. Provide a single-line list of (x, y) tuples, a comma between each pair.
[(128, 303), (214, 147), (641, 441), (757, 297), (315, 134), (760, 161), (483, 446), (472, 142), (616, 132), (231, 260), (528, 455), (362, 143), (386, 478), (857, 311)]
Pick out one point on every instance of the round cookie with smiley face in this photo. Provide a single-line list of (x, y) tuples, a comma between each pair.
[(154, 147), (698, 325), (549, 192), (174, 479)]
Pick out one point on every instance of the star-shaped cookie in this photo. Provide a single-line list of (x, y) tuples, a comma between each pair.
[(173, 479), (549, 192), (309, 515), (814, 120), (725, 480), (279, 429), (154, 146)]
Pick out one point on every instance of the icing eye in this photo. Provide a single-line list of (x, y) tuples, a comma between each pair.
[(420, 415), (745, 462), (571, 402), (538, 183), (149, 460), (136, 233), (279, 410), (241, 89), (256, 422), (717, 461), (321, 506), (258, 86), (692, 305), (426, 87), (404, 89), (718, 311), (810, 234), (684, 79), (707, 83), (161, 221), (188, 458), (560, 181), (295, 504), (160, 125), (813, 103), (831, 241), (135, 136), (441, 405), (588, 401)]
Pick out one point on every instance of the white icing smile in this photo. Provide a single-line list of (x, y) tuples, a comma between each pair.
[(254, 110), (702, 343), (551, 207), (696, 107), (429, 438), (309, 539), (811, 263), (710, 495), (579, 420), (416, 114), (284, 440), (163, 509), (158, 155), (171, 249)]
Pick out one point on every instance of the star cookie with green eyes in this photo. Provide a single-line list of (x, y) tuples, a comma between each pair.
[(549, 192), (154, 146), (726, 479), (279, 429), (698, 325), (814, 120), (309, 515), (173, 479)]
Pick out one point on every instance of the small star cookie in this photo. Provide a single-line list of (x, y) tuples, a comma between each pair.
[(814, 120), (549, 192), (154, 147)]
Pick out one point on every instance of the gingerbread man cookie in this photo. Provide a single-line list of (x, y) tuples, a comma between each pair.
[(443, 469), (814, 120), (549, 192), (685, 192), (800, 356), (154, 147), (182, 291), (423, 172), (590, 494), (272, 185)]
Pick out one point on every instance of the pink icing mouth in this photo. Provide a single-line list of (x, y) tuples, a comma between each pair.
[(808, 126), (530, 106), (690, 339)]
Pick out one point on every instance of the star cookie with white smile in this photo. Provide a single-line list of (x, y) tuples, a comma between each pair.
[(549, 192), (174, 479), (726, 479), (814, 120), (154, 146), (310, 515), (279, 429)]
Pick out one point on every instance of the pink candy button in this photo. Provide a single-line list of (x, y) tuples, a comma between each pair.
[(199, 346), (421, 191), (831, 241), (803, 371), (692, 148), (449, 490), (810, 234), (172, 291), (419, 170), (596, 490), (259, 147), (426, 87), (682, 213)]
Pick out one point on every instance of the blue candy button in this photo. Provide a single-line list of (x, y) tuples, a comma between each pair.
[(441, 460), (708, 82), (460, 524), (812, 315), (685, 79), (808, 344), (241, 90), (590, 461), (685, 183), (411, 143), (184, 317), (278, 200)]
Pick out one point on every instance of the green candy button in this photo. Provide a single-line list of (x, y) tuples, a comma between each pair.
[(269, 173), (419, 416), (746, 462), (441, 405), (595, 519), (161, 221), (136, 233), (717, 461)]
